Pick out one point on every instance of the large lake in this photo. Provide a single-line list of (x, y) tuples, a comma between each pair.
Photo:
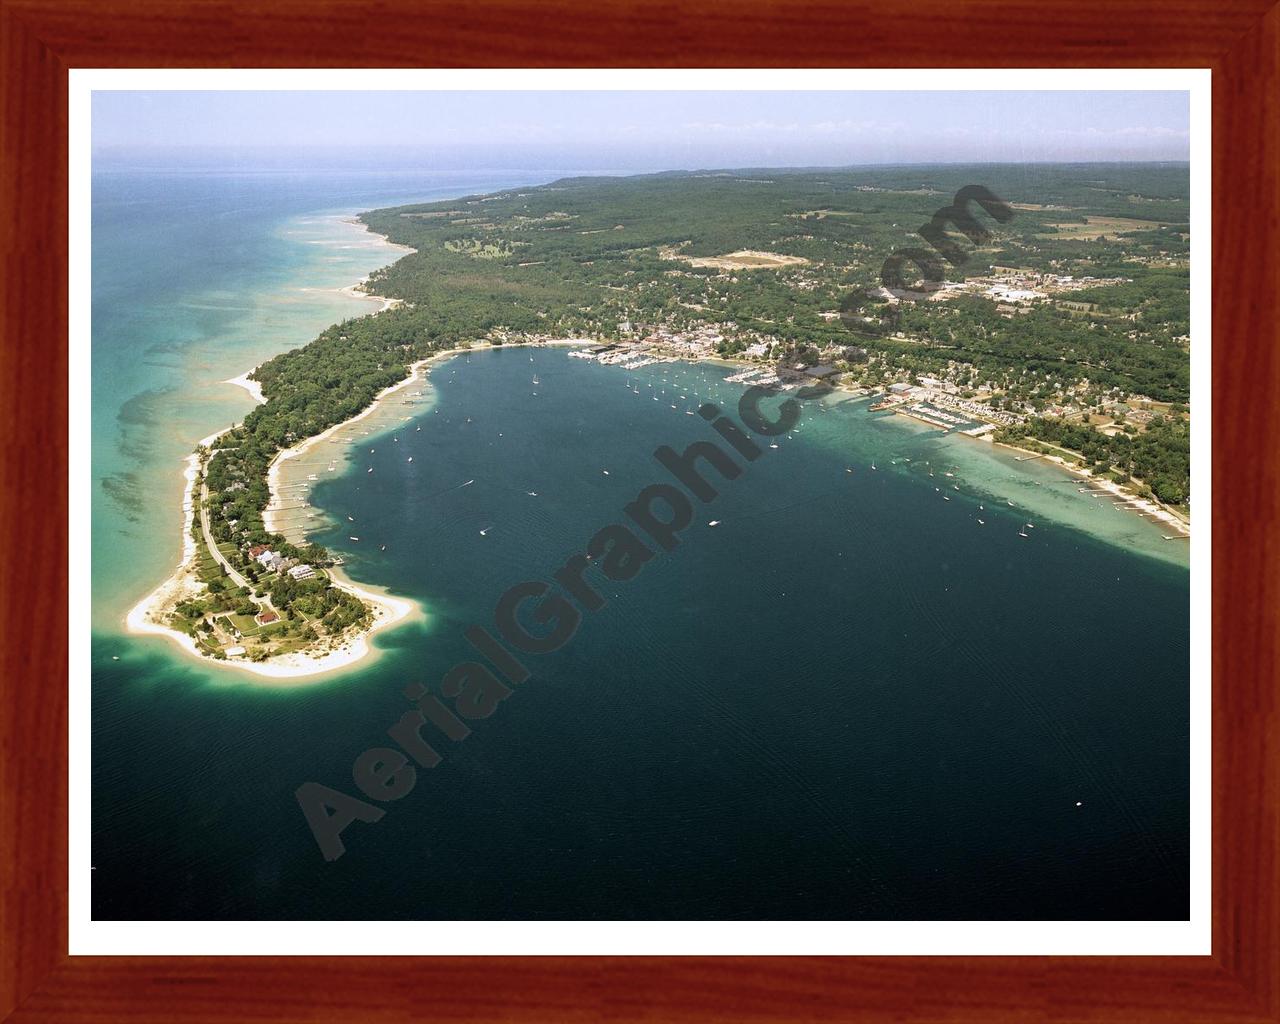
[(849, 699)]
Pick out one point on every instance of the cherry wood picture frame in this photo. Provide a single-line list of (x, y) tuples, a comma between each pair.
[(42, 39)]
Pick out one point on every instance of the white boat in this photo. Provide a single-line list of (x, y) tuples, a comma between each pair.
[(714, 522), (353, 538)]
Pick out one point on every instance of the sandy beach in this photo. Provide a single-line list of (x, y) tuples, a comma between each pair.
[(387, 609), (356, 291), (287, 668), (149, 615), (251, 386), (146, 617), (1143, 506)]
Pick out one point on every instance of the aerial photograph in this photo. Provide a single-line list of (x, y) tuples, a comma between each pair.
[(640, 506)]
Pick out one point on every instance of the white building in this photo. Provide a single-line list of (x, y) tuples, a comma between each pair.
[(270, 561)]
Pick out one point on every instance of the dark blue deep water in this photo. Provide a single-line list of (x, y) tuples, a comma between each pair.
[(847, 700)]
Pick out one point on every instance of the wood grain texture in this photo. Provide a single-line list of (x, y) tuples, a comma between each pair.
[(40, 40)]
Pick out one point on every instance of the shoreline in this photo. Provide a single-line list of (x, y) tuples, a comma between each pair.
[(417, 375), (387, 610), (251, 386), (1146, 507)]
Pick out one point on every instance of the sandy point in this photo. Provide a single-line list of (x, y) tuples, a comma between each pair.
[(299, 668), (251, 386)]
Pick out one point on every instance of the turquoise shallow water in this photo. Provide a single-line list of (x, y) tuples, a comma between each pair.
[(846, 700), (197, 278)]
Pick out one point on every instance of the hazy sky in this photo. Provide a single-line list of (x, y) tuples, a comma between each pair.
[(637, 130)]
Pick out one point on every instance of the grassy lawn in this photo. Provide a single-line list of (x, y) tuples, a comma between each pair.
[(244, 623)]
